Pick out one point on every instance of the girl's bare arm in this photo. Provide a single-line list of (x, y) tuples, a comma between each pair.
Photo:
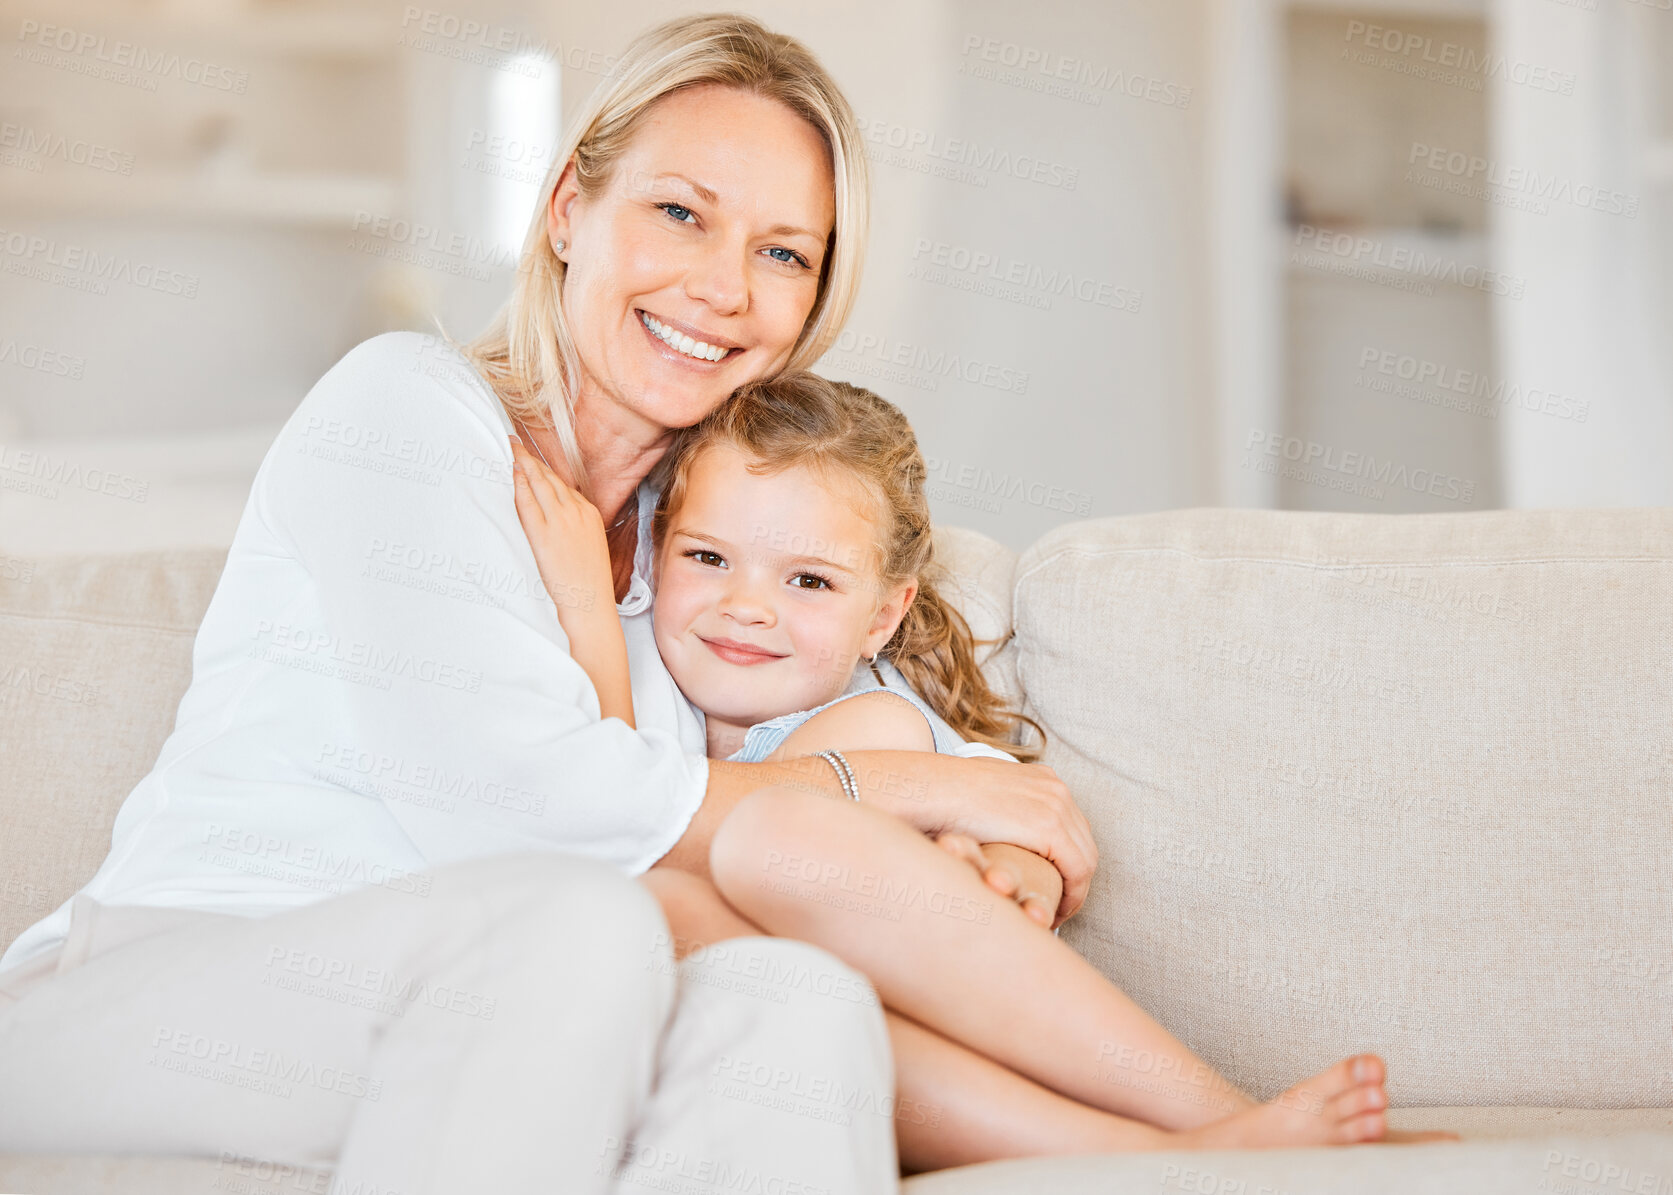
[(988, 799), (597, 644), (566, 534), (887, 721)]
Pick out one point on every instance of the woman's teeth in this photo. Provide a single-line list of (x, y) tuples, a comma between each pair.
[(678, 340)]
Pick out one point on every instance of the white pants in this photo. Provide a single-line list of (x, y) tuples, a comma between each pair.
[(522, 1027)]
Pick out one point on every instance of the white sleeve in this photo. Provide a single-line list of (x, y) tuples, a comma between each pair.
[(391, 485)]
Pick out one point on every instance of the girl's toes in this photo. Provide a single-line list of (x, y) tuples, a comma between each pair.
[(1368, 1068), (1370, 1126), (1356, 1100), (1329, 1084)]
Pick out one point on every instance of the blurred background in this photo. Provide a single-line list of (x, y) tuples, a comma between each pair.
[(1127, 255)]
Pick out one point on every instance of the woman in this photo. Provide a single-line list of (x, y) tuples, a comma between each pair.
[(368, 909)]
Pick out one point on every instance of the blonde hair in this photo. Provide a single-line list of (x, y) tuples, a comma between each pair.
[(846, 433), (527, 354)]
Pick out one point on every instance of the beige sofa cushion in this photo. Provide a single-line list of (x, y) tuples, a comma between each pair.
[(1569, 1144), (1365, 782), (95, 652), (1580, 1165), (980, 574), (228, 1174)]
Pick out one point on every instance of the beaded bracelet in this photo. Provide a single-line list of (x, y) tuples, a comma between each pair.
[(845, 774)]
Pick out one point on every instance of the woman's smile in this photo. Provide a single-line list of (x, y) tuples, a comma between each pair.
[(691, 344)]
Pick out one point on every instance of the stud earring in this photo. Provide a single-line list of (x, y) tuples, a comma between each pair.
[(559, 246)]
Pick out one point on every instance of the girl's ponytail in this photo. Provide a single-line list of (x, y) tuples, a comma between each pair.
[(936, 653)]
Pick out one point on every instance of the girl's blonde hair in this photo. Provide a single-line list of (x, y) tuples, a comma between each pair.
[(527, 354), (845, 433)]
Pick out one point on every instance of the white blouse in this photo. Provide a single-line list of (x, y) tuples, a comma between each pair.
[(381, 685)]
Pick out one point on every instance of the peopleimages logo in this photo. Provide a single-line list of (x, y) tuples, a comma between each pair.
[(1491, 394), (38, 145), (1455, 171), (33, 255), (963, 152), (42, 360), (1035, 69), (1403, 259), (1361, 466), (422, 244), (27, 470), (496, 46), (1006, 486), (939, 363), (1453, 55), (1022, 281), (121, 61)]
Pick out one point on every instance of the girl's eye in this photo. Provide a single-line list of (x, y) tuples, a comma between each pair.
[(790, 255), (823, 582), (698, 553), (678, 211)]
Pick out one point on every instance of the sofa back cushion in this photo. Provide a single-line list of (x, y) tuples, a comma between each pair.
[(979, 574), (95, 654), (1369, 782)]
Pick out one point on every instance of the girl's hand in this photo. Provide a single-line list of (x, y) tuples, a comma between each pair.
[(1003, 875), (995, 801), (567, 535)]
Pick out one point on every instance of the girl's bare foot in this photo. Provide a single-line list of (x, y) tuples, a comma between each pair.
[(1341, 1105)]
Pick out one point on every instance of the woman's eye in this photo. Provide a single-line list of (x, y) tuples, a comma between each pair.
[(678, 211), (790, 256), (820, 582)]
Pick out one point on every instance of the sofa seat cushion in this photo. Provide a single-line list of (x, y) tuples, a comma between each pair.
[(1628, 1162), (1371, 782), (66, 1174), (1492, 1137)]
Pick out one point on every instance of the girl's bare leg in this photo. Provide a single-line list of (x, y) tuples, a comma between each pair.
[(953, 1106), (947, 952), (956, 1107)]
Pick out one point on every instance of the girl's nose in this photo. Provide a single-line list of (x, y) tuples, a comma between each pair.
[(744, 602)]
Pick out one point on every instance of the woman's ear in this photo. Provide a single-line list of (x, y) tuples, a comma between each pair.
[(558, 210), (889, 613)]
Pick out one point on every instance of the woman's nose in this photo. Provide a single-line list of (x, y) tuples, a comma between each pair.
[(719, 279)]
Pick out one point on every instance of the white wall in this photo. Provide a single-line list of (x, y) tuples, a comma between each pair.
[(1592, 240), (1034, 407), (1076, 408)]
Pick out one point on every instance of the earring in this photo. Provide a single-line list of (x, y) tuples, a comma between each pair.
[(559, 246), (873, 662)]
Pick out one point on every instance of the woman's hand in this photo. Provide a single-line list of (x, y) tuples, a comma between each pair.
[(567, 535), (1012, 872)]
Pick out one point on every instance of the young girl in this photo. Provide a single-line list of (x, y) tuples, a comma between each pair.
[(796, 606)]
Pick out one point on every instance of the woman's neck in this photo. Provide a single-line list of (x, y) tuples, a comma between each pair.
[(618, 446)]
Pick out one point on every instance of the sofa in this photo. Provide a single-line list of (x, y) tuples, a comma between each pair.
[(1400, 783)]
